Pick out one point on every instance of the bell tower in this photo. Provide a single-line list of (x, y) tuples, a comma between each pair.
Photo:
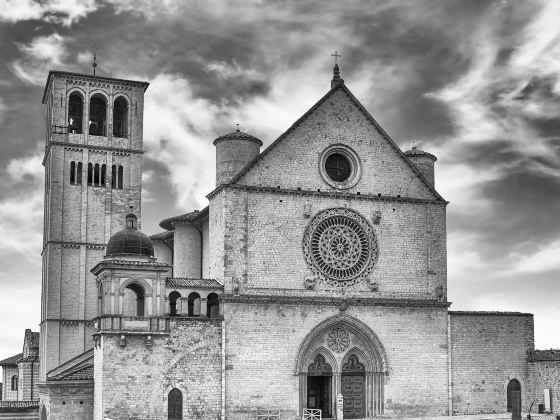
[(93, 176)]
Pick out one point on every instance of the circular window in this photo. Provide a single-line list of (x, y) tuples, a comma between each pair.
[(340, 247), (340, 167)]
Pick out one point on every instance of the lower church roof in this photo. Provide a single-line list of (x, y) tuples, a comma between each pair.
[(11, 361)]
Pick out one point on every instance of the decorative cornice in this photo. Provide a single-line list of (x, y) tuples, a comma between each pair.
[(333, 301), (88, 322), (65, 244), (97, 80), (129, 265), (488, 313), (78, 147), (329, 194)]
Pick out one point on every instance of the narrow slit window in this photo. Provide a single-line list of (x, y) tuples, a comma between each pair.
[(114, 176), (89, 174), (72, 172), (96, 175), (79, 174), (121, 173), (103, 172)]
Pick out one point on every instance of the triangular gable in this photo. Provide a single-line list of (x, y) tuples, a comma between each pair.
[(259, 159)]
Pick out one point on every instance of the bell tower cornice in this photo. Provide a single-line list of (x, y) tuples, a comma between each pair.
[(102, 80)]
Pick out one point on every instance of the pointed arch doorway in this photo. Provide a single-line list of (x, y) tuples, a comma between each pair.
[(342, 355), (319, 386)]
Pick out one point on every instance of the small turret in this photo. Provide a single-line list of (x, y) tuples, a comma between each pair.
[(233, 152), (424, 161)]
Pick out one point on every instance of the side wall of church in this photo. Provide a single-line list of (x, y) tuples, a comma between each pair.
[(263, 341), (544, 374), (189, 359), (487, 351)]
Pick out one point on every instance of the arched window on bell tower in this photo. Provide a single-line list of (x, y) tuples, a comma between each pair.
[(120, 117), (98, 115), (75, 113)]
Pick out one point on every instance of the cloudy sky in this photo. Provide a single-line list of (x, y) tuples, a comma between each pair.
[(475, 82)]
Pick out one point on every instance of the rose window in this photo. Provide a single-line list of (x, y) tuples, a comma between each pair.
[(340, 247), (338, 340)]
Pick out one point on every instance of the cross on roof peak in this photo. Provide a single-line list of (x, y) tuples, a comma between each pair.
[(336, 55)]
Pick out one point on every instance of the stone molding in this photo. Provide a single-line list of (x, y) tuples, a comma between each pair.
[(334, 301), (328, 194)]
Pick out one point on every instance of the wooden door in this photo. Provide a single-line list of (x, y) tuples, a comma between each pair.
[(175, 405), (353, 388), (353, 391)]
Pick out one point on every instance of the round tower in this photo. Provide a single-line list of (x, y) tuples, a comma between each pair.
[(424, 161), (233, 152)]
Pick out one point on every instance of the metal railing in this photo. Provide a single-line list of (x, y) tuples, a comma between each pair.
[(266, 414), (311, 414)]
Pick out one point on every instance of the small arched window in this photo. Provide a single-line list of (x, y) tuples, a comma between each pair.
[(173, 297), (14, 383), (89, 174), (133, 302), (100, 300), (72, 172), (117, 174), (96, 175), (103, 172), (98, 115), (213, 306), (120, 117), (175, 405), (194, 304), (75, 113), (120, 178), (79, 173)]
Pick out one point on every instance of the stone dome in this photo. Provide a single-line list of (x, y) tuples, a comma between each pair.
[(130, 241), (414, 152)]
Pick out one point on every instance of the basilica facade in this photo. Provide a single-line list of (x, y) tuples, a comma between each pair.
[(315, 279)]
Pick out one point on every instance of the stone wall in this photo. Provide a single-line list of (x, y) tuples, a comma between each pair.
[(545, 374), (8, 372), (135, 379), (263, 342), (67, 400), (28, 379), (488, 349)]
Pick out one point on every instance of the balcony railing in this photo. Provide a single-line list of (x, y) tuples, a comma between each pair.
[(132, 324)]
